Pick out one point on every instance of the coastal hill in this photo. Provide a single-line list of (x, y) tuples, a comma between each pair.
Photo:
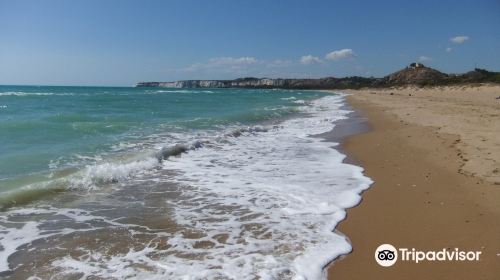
[(414, 74)]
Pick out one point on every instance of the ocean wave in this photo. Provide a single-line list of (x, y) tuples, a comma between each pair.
[(94, 175), (24, 229), (251, 130), (265, 199), (290, 190), (102, 171), (21, 93), (28, 194), (275, 195), (181, 91)]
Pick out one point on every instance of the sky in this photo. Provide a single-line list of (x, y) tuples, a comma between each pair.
[(121, 42)]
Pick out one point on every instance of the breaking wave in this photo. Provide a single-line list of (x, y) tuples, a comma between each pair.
[(245, 203)]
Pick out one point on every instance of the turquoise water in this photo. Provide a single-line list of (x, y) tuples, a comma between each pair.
[(157, 183), (45, 129)]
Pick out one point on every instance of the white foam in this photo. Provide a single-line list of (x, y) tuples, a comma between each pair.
[(92, 176), (12, 238), (25, 232), (181, 91), (21, 93), (109, 172), (298, 184), (277, 195)]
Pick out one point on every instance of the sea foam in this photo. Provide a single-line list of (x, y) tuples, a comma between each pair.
[(264, 202), (275, 195), (290, 190)]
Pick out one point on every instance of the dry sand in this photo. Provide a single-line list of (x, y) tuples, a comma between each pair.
[(434, 156)]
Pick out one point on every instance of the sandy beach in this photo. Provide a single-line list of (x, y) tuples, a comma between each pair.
[(434, 156)]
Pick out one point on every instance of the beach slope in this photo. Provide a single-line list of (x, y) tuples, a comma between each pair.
[(434, 156)]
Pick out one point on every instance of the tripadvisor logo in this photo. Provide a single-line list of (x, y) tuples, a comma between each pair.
[(387, 255)]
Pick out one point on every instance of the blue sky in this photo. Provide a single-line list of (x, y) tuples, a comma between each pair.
[(121, 42)]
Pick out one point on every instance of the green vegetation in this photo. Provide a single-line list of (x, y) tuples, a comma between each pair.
[(415, 74)]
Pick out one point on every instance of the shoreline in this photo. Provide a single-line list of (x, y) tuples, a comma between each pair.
[(354, 124), (252, 193), (420, 198)]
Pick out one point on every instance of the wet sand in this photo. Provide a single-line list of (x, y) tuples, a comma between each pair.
[(435, 182)]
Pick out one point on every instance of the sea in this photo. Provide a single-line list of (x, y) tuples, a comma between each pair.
[(164, 183)]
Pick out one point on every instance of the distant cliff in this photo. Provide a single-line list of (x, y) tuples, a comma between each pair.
[(331, 82), (414, 74)]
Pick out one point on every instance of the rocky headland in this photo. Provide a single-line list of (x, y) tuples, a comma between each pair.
[(415, 74)]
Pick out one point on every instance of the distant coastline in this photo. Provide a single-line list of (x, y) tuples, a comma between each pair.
[(414, 74)]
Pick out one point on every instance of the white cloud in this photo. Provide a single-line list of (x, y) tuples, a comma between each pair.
[(424, 58), (246, 60), (309, 59), (234, 63), (279, 63), (340, 54), (449, 49), (459, 39)]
